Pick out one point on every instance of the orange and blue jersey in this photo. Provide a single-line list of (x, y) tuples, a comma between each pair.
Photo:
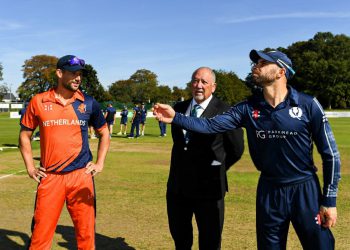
[(63, 129)]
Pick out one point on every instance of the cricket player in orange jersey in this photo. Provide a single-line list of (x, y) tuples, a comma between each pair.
[(66, 172)]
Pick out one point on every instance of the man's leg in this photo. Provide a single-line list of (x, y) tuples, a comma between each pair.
[(210, 221), (272, 217), (180, 221), (81, 207), (305, 208), (48, 206), (137, 125)]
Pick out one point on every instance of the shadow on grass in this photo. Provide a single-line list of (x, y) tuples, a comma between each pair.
[(102, 242), (10, 145), (12, 239)]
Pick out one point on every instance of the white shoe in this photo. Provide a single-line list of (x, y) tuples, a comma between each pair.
[(120, 133)]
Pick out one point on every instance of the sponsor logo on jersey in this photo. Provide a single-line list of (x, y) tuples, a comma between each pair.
[(260, 134), (274, 134), (295, 112), (82, 108), (256, 114)]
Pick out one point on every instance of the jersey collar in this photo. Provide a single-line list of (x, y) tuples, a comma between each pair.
[(50, 96)]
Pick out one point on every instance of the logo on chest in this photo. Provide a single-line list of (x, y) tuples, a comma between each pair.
[(295, 112), (82, 108), (256, 114), (48, 107)]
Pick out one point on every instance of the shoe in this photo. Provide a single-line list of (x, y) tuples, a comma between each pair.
[(36, 139), (130, 137), (93, 137), (164, 134), (124, 133), (120, 133)]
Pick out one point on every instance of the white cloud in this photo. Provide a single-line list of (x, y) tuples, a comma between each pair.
[(9, 25), (312, 15)]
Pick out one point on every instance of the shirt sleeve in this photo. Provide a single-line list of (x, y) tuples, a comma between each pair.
[(229, 120), (326, 146), (97, 119), (30, 120)]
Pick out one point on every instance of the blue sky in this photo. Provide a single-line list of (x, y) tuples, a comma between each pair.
[(170, 38)]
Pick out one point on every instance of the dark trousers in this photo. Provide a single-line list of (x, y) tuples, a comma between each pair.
[(135, 125), (209, 214), (278, 205), (162, 127)]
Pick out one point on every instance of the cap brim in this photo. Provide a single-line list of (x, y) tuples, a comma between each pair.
[(256, 55), (73, 68)]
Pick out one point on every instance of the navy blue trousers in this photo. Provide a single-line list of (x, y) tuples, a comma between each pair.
[(278, 205), (135, 125)]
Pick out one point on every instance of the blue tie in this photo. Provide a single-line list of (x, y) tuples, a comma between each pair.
[(193, 113)]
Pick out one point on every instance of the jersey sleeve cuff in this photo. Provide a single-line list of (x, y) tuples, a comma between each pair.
[(329, 201)]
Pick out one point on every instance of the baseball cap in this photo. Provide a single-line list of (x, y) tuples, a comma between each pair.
[(70, 63), (275, 56)]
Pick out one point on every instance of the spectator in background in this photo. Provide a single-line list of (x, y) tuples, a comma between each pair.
[(143, 118), (162, 127), (123, 121), (135, 122), (110, 116)]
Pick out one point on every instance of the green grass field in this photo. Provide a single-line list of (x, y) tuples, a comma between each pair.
[(131, 211)]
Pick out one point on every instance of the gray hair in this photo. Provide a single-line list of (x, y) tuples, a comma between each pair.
[(206, 68)]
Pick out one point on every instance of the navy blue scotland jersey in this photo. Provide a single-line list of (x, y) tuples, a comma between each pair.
[(281, 139)]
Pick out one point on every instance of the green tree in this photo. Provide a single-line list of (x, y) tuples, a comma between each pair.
[(229, 87), (1, 69), (3, 91), (163, 94), (322, 68), (92, 86), (122, 91), (39, 75), (145, 85), (179, 94)]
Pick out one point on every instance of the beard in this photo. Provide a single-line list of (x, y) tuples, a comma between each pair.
[(265, 79), (70, 86)]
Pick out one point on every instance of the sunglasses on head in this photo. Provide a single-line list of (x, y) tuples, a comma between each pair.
[(75, 61)]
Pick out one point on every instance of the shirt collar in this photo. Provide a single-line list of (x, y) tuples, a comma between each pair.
[(204, 104), (50, 96), (292, 97)]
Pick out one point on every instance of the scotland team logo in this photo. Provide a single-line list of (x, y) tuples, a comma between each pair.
[(295, 112), (82, 108)]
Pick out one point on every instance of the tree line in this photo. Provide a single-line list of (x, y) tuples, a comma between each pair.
[(321, 64)]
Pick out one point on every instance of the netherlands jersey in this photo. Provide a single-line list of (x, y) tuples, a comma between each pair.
[(281, 139), (63, 129)]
